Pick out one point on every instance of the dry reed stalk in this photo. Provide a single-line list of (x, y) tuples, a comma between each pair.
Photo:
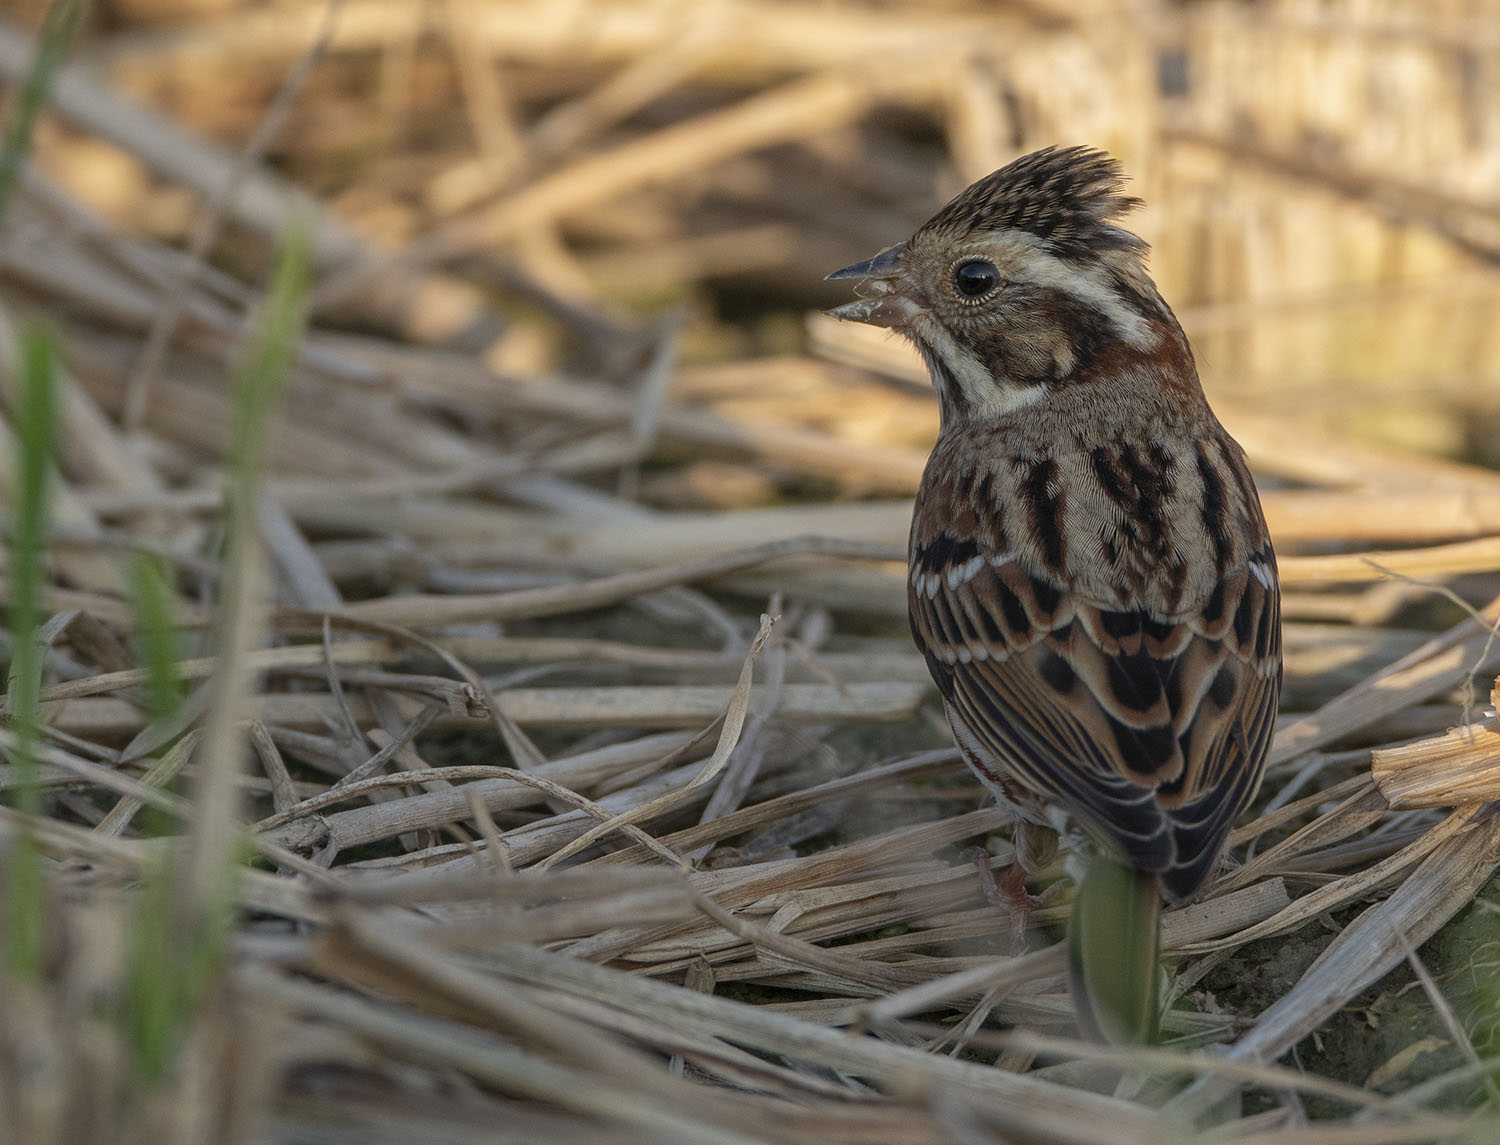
[(564, 128), (1035, 1106), (416, 611), (802, 107), (1444, 771), (1376, 941), (624, 707), (763, 40), (164, 324), (1467, 650), (433, 375), (265, 202), (892, 663), (1468, 220), (799, 108)]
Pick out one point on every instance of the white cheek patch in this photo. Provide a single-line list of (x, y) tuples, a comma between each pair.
[(1038, 267), (979, 387), (1013, 398)]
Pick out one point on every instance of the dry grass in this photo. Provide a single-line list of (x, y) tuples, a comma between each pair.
[(556, 837)]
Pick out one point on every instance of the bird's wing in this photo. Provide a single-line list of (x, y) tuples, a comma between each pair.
[(1151, 730)]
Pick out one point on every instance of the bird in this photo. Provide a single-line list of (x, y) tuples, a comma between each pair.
[(1091, 581)]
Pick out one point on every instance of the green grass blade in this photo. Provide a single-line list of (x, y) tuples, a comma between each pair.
[(1114, 940), (152, 601), (258, 389), (53, 44), (35, 418), (187, 912)]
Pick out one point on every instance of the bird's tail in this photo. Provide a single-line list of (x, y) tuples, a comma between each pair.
[(1113, 950)]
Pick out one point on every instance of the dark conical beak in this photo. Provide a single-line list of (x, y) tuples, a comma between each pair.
[(886, 264), (893, 299)]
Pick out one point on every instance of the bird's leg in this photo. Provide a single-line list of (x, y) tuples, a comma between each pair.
[(1034, 846)]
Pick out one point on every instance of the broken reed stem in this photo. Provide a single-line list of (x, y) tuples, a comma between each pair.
[(729, 736)]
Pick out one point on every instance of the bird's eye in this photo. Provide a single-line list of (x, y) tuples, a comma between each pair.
[(975, 278)]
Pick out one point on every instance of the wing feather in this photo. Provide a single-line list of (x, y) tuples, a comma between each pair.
[(1151, 729)]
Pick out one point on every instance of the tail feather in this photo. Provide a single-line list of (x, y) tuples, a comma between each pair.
[(1114, 943)]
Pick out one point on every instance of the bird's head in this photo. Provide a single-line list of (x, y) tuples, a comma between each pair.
[(1022, 283)]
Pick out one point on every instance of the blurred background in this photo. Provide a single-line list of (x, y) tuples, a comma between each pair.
[(564, 324), (1321, 177)]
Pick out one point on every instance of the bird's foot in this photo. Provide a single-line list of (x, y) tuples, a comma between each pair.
[(1007, 891)]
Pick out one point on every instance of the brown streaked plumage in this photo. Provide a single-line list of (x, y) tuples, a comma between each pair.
[(1091, 581)]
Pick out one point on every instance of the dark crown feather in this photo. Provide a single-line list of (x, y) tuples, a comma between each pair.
[(1065, 196)]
